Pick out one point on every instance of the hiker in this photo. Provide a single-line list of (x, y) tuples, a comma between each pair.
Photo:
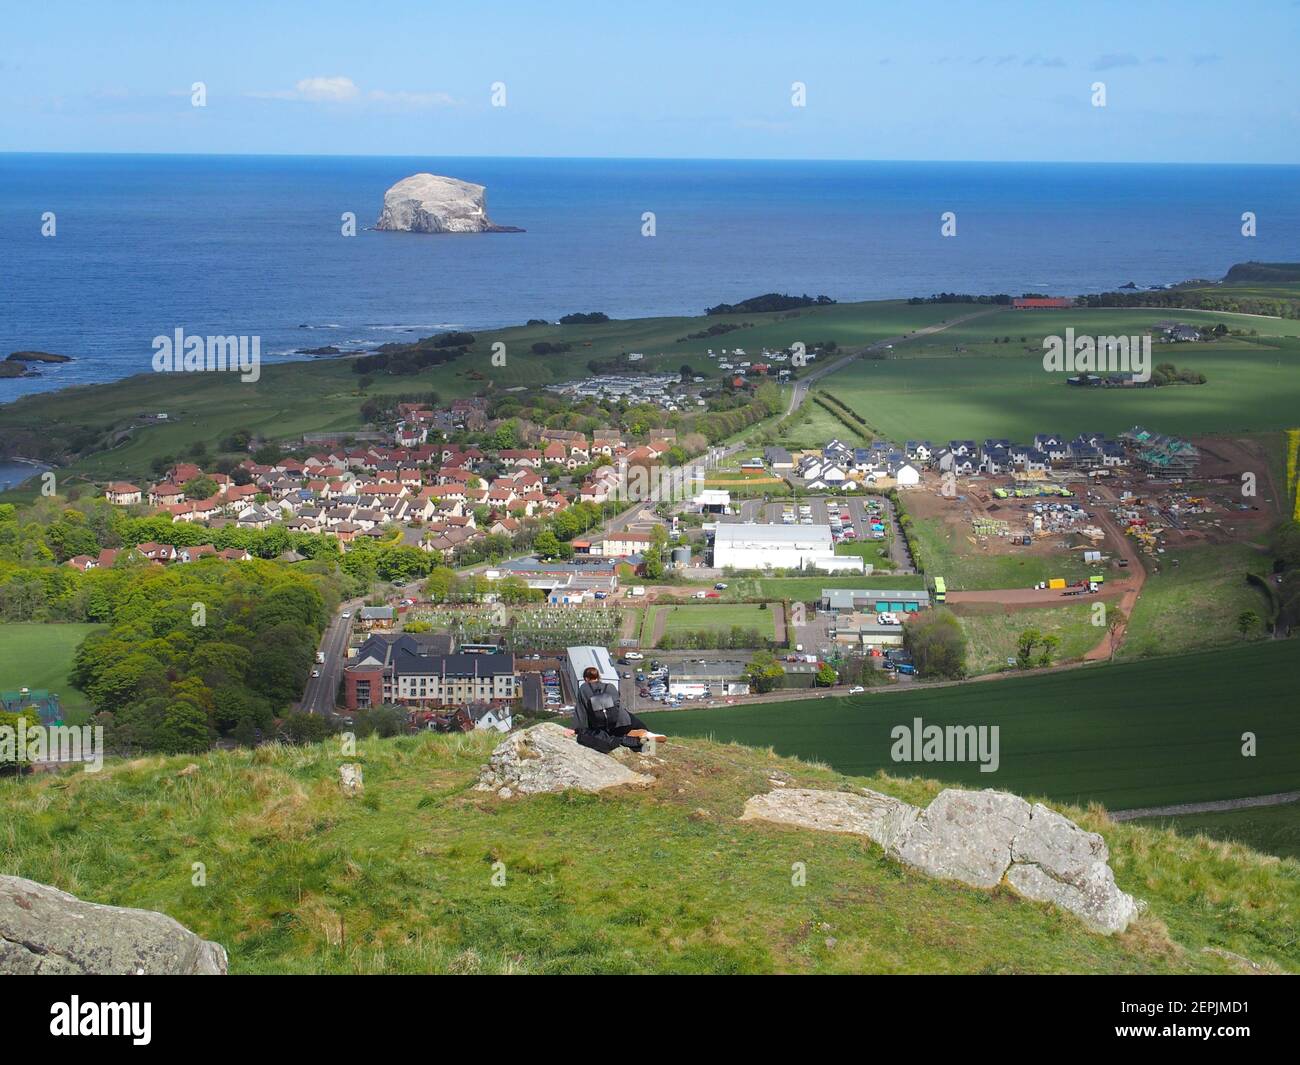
[(599, 719)]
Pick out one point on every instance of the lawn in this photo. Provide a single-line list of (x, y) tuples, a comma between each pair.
[(929, 390), (720, 616), (992, 634), (40, 656), (1195, 604), (1125, 735), (1270, 829)]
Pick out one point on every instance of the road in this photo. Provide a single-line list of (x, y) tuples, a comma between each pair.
[(319, 695)]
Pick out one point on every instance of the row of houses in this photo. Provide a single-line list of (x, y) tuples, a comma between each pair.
[(156, 553)]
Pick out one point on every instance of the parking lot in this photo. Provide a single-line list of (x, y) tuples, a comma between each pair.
[(853, 519)]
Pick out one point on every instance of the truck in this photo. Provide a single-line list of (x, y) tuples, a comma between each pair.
[(638, 590), (940, 590)]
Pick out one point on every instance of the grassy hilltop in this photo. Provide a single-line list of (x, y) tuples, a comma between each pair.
[(300, 879)]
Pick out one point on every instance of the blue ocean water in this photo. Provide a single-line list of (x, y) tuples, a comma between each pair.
[(252, 244)]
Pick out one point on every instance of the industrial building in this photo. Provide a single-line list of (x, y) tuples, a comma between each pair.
[(577, 659), (880, 600), (798, 547)]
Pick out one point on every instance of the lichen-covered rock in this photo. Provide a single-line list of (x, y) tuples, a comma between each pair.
[(430, 203), (47, 931), (1054, 860), (881, 818), (545, 758), (980, 838), (966, 835)]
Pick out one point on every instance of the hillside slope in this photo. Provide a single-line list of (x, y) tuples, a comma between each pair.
[(300, 879)]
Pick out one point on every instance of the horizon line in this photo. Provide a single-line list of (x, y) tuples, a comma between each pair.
[(647, 158)]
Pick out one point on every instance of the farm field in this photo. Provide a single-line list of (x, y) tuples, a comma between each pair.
[(1195, 605), (40, 656), (1125, 735), (992, 633), (1269, 829), (1252, 385)]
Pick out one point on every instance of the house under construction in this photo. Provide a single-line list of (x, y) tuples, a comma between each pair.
[(1162, 456)]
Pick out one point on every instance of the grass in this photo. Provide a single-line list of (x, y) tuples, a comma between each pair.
[(1126, 735), (1195, 605), (946, 552), (928, 390), (302, 880), (40, 656), (992, 634), (719, 616), (1268, 829)]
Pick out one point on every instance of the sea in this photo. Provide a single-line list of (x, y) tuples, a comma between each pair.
[(144, 245)]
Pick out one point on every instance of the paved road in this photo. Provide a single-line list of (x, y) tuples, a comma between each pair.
[(319, 695)]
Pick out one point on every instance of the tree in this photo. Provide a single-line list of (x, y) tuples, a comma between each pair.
[(1025, 644), (1049, 643), (764, 672), (937, 644), (1247, 622), (826, 675)]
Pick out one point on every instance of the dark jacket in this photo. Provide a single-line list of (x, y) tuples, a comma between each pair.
[(599, 718)]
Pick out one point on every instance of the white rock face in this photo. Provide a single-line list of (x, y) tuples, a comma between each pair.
[(545, 758), (430, 203), (980, 838)]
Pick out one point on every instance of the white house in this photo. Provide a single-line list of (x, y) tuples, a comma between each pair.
[(907, 476)]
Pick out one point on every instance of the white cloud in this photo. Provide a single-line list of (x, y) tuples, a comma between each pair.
[(339, 89)]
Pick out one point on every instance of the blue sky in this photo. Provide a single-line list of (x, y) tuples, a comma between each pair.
[(1185, 82)]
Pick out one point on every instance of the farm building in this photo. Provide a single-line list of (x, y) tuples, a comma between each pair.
[(758, 547)]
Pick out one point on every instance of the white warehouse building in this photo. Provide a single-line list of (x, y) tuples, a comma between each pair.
[(759, 547)]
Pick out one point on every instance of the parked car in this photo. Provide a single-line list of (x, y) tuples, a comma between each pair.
[(634, 656), (315, 672), (721, 586), (857, 689)]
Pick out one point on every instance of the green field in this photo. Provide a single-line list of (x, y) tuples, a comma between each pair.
[(1126, 735), (1269, 829), (992, 634), (1194, 605), (930, 390), (40, 656), (720, 616)]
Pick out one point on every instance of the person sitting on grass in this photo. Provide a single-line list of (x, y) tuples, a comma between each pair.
[(600, 720)]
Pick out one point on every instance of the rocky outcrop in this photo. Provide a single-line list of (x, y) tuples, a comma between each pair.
[(429, 203), (981, 838), (545, 758), (47, 931)]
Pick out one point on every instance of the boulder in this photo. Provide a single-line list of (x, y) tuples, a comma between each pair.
[(47, 931), (430, 203), (981, 838), (881, 818), (966, 836), (545, 758), (1054, 860)]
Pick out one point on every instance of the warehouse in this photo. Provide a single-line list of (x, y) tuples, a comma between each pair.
[(576, 661), (881, 600), (759, 547)]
